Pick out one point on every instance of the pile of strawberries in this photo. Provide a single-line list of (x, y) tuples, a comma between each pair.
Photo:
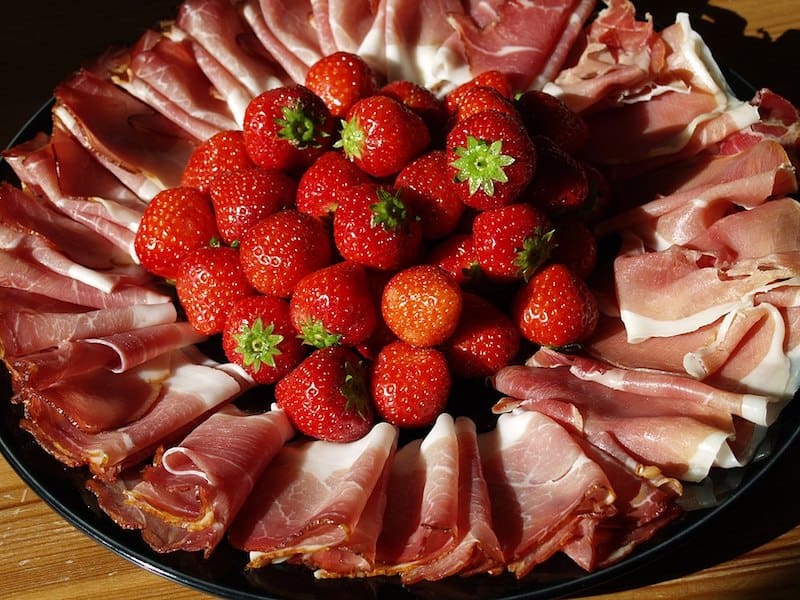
[(359, 246)]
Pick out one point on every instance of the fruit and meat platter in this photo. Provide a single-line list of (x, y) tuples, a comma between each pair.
[(403, 290)]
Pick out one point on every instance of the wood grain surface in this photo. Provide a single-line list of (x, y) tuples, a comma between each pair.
[(754, 552)]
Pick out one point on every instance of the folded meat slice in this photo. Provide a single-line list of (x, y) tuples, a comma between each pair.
[(356, 26), (311, 496), (541, 484), (188, 497)]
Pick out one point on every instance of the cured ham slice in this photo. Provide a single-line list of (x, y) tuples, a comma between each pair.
[(311, 496), (356, 26), (192, 492), (541, 484)]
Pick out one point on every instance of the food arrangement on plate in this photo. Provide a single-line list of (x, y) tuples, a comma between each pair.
[(382, 306)]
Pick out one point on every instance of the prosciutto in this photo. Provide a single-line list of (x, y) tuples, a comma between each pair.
[(356, 26), (188, 497)]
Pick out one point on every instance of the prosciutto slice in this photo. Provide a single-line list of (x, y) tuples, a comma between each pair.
[(312, 496), (192, 492), (356, 26)]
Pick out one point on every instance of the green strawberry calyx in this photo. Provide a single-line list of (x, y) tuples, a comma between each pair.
[(258, 345), (535, 251), (352, 138), (314, 333), (354, 389), (481, 164), (389, 211), (299, 127)]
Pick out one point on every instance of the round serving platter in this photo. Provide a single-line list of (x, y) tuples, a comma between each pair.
[(759, 494)]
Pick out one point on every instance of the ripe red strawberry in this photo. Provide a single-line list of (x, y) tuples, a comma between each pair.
[(456, 255), (547, 115), (175, 222), (373, 227), (511, 242), (555, 308), (259, 337), (244, 197), (224, 151), (410, 386), (422, 305), (419, 99), (425, 188), (334, 306), (484, 341), (492, 79), (491, 159), (327, 396), (281, 249), (324, 180), (381, 135), (287, 128), (209, 281), (575, 245), (560, 184), (478, 98), (341, 79)]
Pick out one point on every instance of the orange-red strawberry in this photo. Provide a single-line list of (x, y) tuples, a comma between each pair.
[(281, 249), (555, 308), (492, 79), (478, 98), (224, 151), (209, 282), (511, 242), (327, 396), (575, 245), (422, 305), (334, 306), (419, 99), (544, 114), (244, 197), (324, 180), (560, 184), (287, 128), (424, 187), (259, 337), (175, 222), (381, 135), (456, 255), (491, 159), (484, 341), (341, 79), (410, 386), (373, 227)]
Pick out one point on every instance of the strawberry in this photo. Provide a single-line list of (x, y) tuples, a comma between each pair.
[(224, 151), (511, 242), (555, 308), (175, 222), (484, 341), (491, 159), (598, 197), (259, 337), (209, 281), (491, 79), (410, 386), (424, 187), (373, 227), (327, 396), (547, 115), (422, 305), (560, 184), (381, 135), (287, 128), (456, 255), (242, 198), (419, 99), (324, 180), (281, 249), (575, 245), (340, 79), (334, 306), (478, 98)]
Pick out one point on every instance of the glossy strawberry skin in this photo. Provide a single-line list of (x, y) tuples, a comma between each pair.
[(381, 135), (410, 386), (175, 222), (244, 197), (555, 308), (420, 100), (493, 79), (259, 337), (327, 396), (324, 181), (341, 79), (281, 249), (385, 239), (287, 128), (224, 151), (478, 99), (334, 306), (209, 281), (456, 255)]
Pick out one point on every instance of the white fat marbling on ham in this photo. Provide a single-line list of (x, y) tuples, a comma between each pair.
[(311, 496), (356, 26), (188, 497), (541, 484)]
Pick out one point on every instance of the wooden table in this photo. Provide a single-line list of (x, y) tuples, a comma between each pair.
[(753, 553)]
